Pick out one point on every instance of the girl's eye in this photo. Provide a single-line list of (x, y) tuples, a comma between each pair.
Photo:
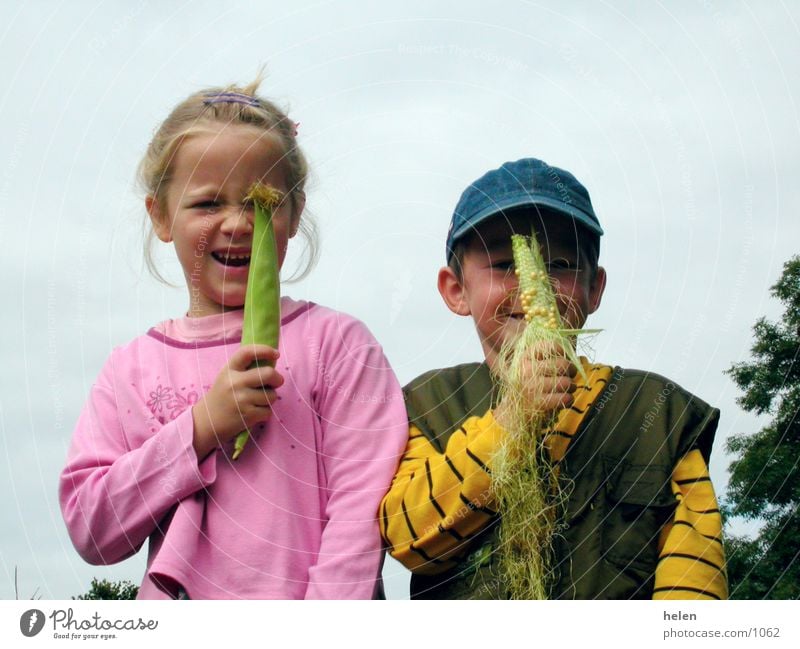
[(207, 205)]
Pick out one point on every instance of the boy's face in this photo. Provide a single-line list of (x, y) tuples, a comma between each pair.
[(488, 287)]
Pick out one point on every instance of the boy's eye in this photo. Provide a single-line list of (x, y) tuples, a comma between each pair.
[(504, 266), (561, 266)]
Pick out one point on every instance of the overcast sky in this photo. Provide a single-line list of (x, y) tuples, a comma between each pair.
[(681, 118)]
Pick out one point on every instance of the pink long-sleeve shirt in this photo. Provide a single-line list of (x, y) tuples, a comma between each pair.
[(294, 517)]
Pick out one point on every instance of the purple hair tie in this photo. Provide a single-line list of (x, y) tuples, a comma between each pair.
[(238, 98), (230, 98)]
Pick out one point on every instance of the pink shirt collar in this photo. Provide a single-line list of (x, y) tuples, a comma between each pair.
[(226, 325)]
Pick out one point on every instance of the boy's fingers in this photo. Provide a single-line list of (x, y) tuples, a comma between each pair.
[(552, 371), (559, 385), (550, 386), (557, 401), (547, 351), (564, 384), (564, 367)]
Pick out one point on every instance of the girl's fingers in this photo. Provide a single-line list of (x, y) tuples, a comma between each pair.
[(263, 399), (262, 377), (246, 355)]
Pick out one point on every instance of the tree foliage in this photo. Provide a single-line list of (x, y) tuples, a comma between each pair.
[(104, 589), (765, 476)]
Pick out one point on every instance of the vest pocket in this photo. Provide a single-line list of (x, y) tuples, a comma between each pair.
[(639, 503)]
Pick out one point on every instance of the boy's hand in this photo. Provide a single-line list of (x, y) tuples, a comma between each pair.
[(548, 384), (239, 398)]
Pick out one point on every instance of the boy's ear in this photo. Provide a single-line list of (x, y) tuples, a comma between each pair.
[(452, 291), (161, 225), (596, 289)]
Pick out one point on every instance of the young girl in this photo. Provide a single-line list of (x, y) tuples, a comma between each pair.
[(295, 515)]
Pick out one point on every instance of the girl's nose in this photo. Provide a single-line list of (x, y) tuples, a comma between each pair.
[(237, 221)]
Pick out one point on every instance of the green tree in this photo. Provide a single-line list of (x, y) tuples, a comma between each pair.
[(765, 476), (104, 589)]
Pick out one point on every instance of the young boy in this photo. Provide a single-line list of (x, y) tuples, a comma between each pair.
[(640, 518)]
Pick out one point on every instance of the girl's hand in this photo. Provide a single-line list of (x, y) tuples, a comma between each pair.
[(548, 381), (239, 398)]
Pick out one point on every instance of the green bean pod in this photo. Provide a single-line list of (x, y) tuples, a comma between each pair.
[(262, 310)]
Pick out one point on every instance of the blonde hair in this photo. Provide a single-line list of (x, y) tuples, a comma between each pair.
[(195, 112)]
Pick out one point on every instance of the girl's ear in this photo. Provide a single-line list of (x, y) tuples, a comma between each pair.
[(298, 205), (453, 292), (161, 225)]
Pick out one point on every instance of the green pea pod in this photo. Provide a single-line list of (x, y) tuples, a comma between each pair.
[(262, 310)]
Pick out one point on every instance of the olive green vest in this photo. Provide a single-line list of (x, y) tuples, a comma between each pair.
[(617, 472)]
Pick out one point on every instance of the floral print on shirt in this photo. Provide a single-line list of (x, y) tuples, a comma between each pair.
[(166, 403)]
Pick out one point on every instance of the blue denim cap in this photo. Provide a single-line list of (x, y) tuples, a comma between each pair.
[(525, 183)]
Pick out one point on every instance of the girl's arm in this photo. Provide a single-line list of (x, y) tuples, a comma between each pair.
[(113, 496), (116, 488), (364, 423)]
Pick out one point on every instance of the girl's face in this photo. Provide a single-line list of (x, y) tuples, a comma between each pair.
[(204, 212)]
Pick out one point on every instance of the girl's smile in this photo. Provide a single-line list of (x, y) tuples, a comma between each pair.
[(205, 214)]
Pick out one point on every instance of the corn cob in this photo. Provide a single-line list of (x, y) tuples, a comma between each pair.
[(524, 481), (262, 310)]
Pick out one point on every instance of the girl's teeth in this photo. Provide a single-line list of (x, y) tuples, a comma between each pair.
[(232, 260)]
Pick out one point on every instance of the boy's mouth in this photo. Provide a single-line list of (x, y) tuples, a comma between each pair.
[(231, 259)]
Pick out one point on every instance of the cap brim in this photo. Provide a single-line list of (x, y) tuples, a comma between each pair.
[(527, 201)]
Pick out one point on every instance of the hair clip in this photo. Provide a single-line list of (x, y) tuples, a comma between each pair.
[(230, 98), (296, 126)]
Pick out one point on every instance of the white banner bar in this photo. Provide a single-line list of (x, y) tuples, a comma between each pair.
[(196, 624)]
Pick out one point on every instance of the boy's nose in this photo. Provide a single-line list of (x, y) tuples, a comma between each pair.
[(511, 282), (511, 288)]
